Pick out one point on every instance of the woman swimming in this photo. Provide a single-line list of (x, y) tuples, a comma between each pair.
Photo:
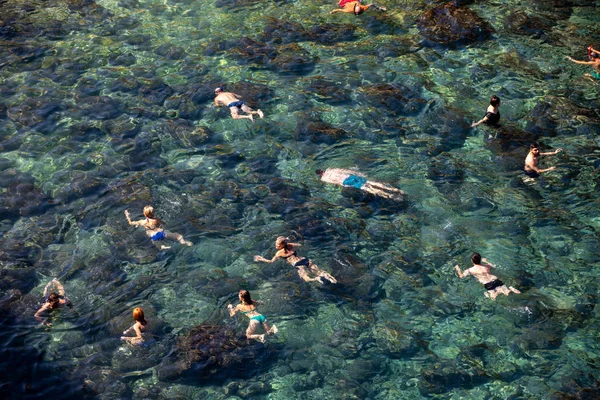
[(248, 307), (153, 227), (594, 62), (492, 114), (139, 328), (286, 250), (54, 295)]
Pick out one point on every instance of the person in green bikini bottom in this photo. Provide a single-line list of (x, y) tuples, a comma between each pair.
[(594, 57), (349, 178), (248, 307)]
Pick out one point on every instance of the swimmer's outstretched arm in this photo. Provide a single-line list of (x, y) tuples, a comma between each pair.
[(233, 310), (462, 274), (262, 259), (38, 315), (134, 223), (551, 153), (581, 62), (594, 50), (481, 121), (485, 262)]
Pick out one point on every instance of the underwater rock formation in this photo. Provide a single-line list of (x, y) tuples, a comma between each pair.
[(449, 24), (209, 351), (396, 99)]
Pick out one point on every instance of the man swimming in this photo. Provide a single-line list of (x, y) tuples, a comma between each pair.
[(481, 270), (235, 105), (349, 178), (533, 159)]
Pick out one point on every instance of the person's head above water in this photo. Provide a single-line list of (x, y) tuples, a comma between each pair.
[(138, 315), (244, 296), (476, 258), (357, 8), (54, 299), (495, 101), (149, 212), (281, 242), (534, 148), (219, 89), (319, 172)]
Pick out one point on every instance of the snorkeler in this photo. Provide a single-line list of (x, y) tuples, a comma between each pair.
[(492, 114), (481, 270), (594, 57), (286, 250), (139, 327), (248, 308), (533, 158), (153, 227), (350, 6), (349, 178), (235, 105), (54, 295)]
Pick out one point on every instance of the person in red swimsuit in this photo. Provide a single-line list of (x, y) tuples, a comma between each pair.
[(353, 6)]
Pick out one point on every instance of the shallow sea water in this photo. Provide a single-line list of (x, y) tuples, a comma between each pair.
[(107, 106)]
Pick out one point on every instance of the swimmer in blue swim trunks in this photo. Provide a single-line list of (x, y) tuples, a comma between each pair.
[(594, 56), (481, 270), (533, 159), (235, 105), (248, 308), (349, 178), (153, 226)]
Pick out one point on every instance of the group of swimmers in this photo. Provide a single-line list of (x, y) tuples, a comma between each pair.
[(54, 294)]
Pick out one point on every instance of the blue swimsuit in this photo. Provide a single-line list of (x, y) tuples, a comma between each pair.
[(237, 104), (160, 235), (355, 181)]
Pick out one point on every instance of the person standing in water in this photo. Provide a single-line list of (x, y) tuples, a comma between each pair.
[(533, 158), (235, 105), (492, 114), (54, 298), (287, 251), (154, 228), (350, 6), (349, 178), (248, 308), (139, 327), (481, 270)]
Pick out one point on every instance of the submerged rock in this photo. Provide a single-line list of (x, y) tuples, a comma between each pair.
[(440, 378), (318, 131), (397, 99), (449, 24), (213, 351)]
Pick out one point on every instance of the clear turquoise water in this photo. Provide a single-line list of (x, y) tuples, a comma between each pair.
[(106, 106)]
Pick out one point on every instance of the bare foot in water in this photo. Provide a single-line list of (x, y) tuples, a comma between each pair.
[(328, 277)]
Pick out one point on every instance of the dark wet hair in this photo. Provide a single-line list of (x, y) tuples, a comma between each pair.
[(319, 172), (476, 258), (533, 146), (246, 297), (53, 299), (495, 101)]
